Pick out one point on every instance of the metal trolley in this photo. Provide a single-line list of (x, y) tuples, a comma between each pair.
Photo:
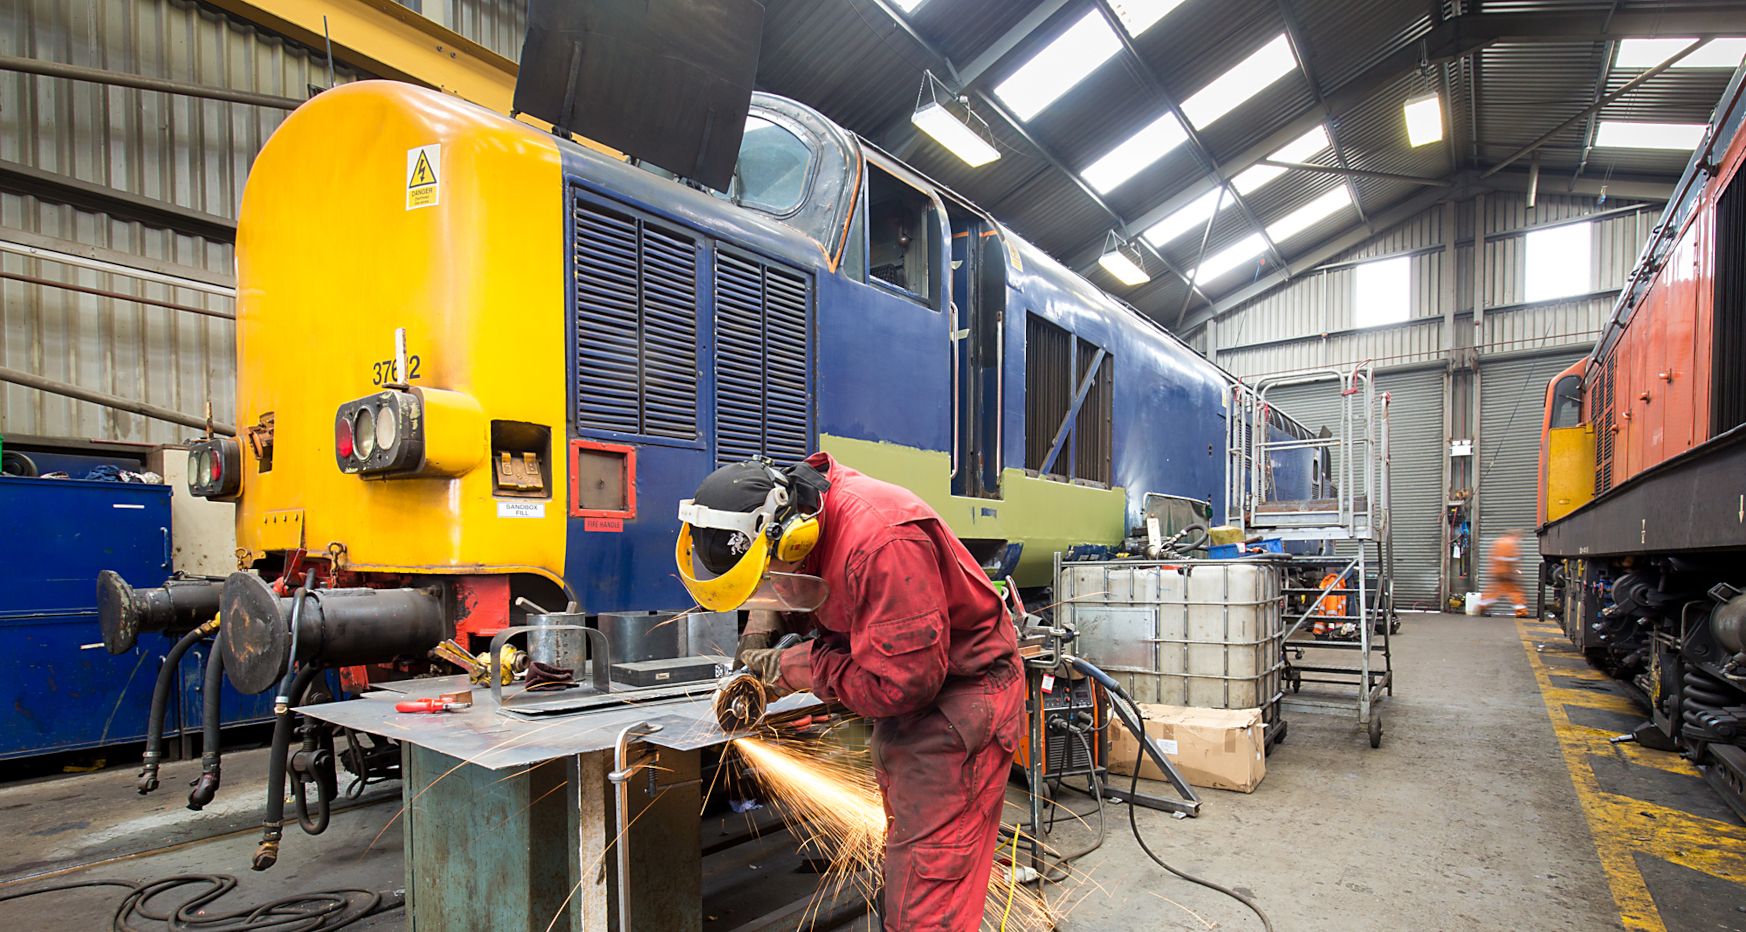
[(1344, 531)]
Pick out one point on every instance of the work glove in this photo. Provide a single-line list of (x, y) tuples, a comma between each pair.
[(765, 663), (751, 641)]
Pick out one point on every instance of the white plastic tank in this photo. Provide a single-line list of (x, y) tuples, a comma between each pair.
[(1202, 633)]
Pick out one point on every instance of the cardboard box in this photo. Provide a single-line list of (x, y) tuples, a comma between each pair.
[(1223, 749)]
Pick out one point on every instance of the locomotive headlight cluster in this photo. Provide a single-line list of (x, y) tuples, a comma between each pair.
[(380, 434), (215, 468)]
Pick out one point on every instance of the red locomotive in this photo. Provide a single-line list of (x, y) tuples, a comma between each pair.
[(1643, 472)]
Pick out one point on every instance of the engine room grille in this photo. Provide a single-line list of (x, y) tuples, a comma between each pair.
[(636, 325), (761, 361), (1600, 402)]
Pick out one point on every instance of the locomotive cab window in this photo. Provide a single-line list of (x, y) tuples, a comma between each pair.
[(773, 170), (901, 238), (1567, 402)]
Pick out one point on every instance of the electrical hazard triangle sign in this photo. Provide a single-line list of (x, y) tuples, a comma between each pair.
[(423, 165)]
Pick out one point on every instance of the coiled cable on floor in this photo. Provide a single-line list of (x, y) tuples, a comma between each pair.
[(322, 911)]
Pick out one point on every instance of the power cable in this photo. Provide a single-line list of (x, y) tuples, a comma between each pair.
[(321, 911)]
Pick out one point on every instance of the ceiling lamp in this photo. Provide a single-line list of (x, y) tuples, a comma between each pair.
[(1424, 119), (1116, 261), (946, 129)]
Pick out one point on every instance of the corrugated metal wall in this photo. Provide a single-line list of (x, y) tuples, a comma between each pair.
[(1310, 323), (1512, 407), (187, 152)]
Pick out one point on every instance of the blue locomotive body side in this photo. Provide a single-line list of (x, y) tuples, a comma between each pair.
[(882, 373)]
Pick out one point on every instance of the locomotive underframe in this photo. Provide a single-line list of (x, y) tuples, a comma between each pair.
[(1645, 579)]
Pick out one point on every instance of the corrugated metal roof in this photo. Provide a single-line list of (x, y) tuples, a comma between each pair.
[(822, 52)]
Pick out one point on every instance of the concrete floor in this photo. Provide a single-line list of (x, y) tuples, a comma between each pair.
[(1466, 819)]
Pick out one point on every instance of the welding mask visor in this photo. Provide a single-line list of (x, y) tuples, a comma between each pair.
[(748, 583)]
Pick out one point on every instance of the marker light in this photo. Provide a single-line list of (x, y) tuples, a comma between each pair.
[(364, 431), (215, 468), (387, 428), (383, 435)]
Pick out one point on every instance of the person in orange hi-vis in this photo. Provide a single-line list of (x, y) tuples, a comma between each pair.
[(1506, 575), (1330, 614)]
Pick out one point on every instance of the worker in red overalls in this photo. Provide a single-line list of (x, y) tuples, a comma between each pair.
[(911, 635), (1506, 580)]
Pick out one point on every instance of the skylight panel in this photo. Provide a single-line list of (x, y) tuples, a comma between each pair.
[(1142, 149), (1384, 292), (1059, 66), (1309, 214), (1301, 149), (1558, 261), (1188, 217), (1137, 16), (1617, 135), (908, 6), (1251, 76), (1647, 53), (1230, 257)]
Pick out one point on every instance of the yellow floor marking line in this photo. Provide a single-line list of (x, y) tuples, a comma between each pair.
[(1621, 825)]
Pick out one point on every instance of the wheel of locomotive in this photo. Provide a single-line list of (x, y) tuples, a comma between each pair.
[(1376, 729)]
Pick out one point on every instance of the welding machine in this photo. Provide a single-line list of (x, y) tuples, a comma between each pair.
[(1075, 737)]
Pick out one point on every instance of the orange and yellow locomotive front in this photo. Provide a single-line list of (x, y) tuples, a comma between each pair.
[(378, 207)]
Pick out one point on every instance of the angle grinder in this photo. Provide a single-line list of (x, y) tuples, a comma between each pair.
[(740, 699)]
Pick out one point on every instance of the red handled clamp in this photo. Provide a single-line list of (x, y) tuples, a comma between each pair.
[(448, 702)]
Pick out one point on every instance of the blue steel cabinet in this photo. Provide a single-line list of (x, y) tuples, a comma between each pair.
[(61, 690)]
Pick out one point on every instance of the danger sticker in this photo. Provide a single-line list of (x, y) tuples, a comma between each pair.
[(521, 509), (423, 165)]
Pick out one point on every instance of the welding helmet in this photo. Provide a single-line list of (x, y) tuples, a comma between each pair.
[(744, 516)]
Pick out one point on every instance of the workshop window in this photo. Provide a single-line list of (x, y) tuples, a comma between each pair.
[(1559, 261), (900, 236)]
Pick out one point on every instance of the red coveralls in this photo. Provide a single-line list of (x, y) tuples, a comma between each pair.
[(914, 637)]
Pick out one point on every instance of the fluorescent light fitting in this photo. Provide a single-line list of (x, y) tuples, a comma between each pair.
[(1059, 66), (947, 130), (1251, 76), (1309, 214), (1137, 16), (1301, 149), (1142, 149), (1424, 119), (1230, 257), (1125, 269), (1188, 217), (1647, 53), (907, 6), (1614, 134)]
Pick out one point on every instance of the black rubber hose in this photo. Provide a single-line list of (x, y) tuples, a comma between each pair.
[(211, 755), (167, 679), (1115, 689), (268, 851)]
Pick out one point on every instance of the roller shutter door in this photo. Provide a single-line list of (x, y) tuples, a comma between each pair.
[(1512, 403), (1416, 439), (1415, 421)]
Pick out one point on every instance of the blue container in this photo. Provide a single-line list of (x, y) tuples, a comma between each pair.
[(1233, 551), (61, 689)]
